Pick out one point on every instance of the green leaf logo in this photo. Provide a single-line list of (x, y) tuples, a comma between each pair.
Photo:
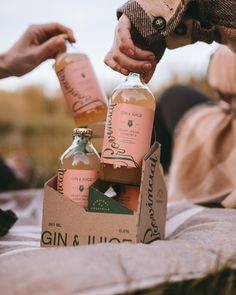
[(130, 123)]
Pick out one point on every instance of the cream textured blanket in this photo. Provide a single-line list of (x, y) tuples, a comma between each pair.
[(197, 239)]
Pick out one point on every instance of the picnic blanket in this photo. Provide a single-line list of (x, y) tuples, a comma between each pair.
[(197, 240)]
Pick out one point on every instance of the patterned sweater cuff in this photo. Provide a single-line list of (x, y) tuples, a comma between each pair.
[(153, 19), (218, 12)]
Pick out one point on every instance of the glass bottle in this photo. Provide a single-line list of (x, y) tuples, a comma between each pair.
[(85, 98), (79, 167), (128, 131)]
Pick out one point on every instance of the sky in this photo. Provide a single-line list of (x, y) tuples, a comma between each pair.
[(93, 23)]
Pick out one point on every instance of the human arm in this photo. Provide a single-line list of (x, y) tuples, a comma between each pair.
[(37, 44), (159, 24)]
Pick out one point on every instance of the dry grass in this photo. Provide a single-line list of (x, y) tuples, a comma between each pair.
[(37, 125), (221, 280)]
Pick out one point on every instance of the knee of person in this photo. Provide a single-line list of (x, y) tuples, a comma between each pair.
[(173, 94), (181, 95)]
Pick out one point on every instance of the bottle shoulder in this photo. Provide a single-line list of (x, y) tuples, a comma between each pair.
[(77, 154), (134, 96), (79, 160), (66, 58)]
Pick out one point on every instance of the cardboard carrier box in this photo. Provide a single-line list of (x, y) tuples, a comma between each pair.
[(65, 223), (98, 135)]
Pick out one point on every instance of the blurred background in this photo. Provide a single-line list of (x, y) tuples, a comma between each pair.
[(33, 114)]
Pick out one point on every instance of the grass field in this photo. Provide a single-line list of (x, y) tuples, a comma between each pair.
[(33, 123), (220, 281)]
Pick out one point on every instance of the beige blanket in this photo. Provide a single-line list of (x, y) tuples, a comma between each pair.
[(198, 239)]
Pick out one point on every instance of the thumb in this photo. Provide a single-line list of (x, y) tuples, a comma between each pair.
[(51, 48), (148, 75)]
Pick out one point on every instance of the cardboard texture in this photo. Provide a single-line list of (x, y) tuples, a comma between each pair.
[(98, 202), (98, 134), (153, 199), (98, 129), (65, 223)]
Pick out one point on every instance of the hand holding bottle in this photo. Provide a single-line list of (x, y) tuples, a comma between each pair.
[(126, 57), (37, 44)]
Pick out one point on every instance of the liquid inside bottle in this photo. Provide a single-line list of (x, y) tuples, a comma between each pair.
[(85, 98), (79, 167), (128, 131)]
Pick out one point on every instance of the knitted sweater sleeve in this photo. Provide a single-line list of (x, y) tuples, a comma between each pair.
[(175, 23)]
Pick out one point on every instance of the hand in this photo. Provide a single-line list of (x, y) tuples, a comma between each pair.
[(37, 44), (125, 56)]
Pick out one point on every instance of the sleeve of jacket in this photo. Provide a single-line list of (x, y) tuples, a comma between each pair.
[(176, 23)]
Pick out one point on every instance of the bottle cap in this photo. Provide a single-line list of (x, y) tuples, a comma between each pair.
[(86, 132), (65, 36)]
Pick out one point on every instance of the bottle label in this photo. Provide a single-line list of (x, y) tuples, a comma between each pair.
[(75, 184), (127, 135), (80, 87)]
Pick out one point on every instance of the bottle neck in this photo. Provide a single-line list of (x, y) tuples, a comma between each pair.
[(134, 80), (134, 76), (84, 145), (74, 48), (80, 142)]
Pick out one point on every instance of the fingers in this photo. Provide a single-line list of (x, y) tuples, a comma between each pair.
[(148, 75), (114, 65), (38, 43), (125, 56), (46, 31), (125, 65), (126, 46), (133, 65), (123, 36), (141, 54), (125, 43), (50, 48), (56, 28)]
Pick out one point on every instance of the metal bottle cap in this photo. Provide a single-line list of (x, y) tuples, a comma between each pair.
[(84, 132)]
